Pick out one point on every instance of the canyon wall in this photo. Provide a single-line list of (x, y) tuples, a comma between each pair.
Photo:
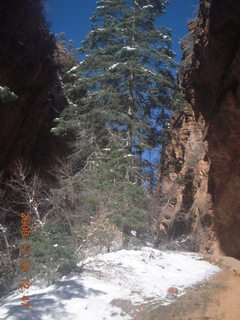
[(28, 67), (199, 177)]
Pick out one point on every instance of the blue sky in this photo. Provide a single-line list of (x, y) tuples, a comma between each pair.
[(72, 18)]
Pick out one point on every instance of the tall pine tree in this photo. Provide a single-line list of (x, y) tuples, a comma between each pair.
[(120, 96), (126, 73)]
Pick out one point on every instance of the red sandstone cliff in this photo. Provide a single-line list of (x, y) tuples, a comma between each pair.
[(199, 177)]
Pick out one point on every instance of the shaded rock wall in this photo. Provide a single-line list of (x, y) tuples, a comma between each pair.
[(199, 178), (28, 68)]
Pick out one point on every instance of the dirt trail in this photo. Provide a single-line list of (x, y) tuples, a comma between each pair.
[(217, 299), (224, 302)]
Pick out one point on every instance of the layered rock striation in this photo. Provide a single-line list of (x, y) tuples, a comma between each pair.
[(199, 177)]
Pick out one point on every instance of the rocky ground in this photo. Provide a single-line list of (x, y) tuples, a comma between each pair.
[(216, 299)]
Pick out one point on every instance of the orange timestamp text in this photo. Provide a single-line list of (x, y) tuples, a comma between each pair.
[(25, 263)]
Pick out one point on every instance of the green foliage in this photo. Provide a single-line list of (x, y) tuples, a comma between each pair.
[(120, 98), (52, 250), (177, 164), (113, 174), (109, 183), (183, 181), (6, 95), (128, 219), (127, 70), (91, 202), (130, 202), (126, 76)]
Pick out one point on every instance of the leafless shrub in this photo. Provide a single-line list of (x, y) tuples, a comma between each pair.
[(26, 191)]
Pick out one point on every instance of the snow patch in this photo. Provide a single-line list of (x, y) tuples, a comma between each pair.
[(148, 6), (139, 276), (129, 48), (114, 66), (73, 69), (148, 70)]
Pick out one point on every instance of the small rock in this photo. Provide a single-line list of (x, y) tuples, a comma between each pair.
[(172, 291)]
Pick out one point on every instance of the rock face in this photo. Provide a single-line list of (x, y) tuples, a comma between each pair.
[(28, 69), (199, 177)]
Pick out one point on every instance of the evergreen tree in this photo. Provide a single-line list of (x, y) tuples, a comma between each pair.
[(127, 74), (120, 96), (108, 178)]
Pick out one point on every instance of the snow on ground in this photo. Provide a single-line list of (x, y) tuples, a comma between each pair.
[(138, 276)]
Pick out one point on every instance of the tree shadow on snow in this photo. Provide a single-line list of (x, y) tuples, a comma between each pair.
[(50, 303)]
